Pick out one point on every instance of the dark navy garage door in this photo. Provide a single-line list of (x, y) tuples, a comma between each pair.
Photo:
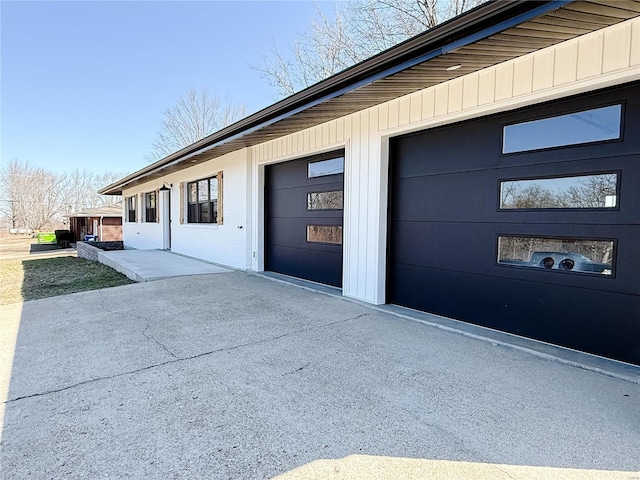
[(304, 205), (527, 222)]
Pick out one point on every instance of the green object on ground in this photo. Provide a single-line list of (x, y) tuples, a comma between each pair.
[(46, 237)]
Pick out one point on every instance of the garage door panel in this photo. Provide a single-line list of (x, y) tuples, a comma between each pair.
[(420, 154), (292, 232), (316, 182), (548, 316), (294, 173), (474, 144), (454, 197), (292, 202), (475, 196), (459, 247), (319, 266), (426, 159), (472, 248)]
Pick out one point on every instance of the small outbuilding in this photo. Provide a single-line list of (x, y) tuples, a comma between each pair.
[(102, 223)]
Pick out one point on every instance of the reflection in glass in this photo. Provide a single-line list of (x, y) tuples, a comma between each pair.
[(324, 234), (213, 183), (131, 209), (203, 210), (587, 191), (203, 190), (151, 200), (203, 201), (324, 200), (320, 168), (150, 207), (565, 254), (593, 125)]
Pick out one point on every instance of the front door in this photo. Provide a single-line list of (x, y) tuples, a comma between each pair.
[(166, 219)]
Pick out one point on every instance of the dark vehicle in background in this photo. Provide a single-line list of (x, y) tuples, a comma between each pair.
[(564, 261), (571, 261)]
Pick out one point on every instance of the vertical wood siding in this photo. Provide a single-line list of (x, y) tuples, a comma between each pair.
[(586, 58)]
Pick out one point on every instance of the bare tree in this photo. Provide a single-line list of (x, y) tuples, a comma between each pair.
[(31, 197), (82, 190), (592, 191), (192, 118), (34, 198), (357, 30), (100, 181), (533, 196)]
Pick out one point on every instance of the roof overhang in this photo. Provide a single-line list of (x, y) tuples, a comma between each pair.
[(109, 211), (93, 215), (491, 33)]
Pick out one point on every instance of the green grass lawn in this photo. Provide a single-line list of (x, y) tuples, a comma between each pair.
[(49, 277)]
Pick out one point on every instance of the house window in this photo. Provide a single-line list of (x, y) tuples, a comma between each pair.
[(150, 207), (130, 203), (595, 125), (202, 201)]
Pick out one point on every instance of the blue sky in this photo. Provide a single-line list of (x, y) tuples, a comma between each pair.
[(85, 83)]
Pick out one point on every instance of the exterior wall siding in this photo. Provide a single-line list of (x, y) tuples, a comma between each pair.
[(596, 60)]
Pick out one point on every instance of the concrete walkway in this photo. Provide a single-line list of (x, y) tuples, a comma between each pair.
[(150, 265), (238, 376)]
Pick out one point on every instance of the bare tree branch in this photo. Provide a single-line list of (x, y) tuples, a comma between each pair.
[(358, 30), (192, 118)]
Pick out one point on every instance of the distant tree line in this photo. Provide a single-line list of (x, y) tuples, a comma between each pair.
[(34, 198)]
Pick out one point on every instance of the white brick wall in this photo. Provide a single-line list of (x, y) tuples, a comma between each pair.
[(224, 244)]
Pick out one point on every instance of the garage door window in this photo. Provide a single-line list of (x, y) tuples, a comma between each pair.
[(324, 234), (584, 191), (557, 254), (595, 125), (325, 200), (320, 168)]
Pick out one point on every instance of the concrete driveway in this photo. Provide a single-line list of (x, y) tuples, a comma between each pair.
[(234, 376)]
